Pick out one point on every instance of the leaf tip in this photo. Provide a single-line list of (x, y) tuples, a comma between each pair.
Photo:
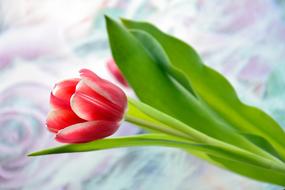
[(110, 23), (41, 152), (32, 154), (107, 17), (125, 20), (109, 20)]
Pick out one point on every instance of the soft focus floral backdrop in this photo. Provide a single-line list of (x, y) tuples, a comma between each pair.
[(42, 42)]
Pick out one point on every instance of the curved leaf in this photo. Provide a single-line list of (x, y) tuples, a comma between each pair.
[(158, 54), (155, 88), (155, 140), (251, 171), (214, 89)]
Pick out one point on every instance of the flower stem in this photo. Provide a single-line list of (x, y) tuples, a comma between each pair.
[(156, 127)]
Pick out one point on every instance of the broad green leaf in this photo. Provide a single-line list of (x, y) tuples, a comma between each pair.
[(157, 53), (214, 89), (251, 171), (155, 88), (150, 83)]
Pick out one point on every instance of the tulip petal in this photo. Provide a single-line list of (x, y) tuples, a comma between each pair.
[(85, 89), (87, 131), (105, 88), (65, 89), (59, 119), (113, 68), (57, 103), (90, 108)]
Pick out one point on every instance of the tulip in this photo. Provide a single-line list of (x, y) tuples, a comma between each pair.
[(85, 109), (113, 68)]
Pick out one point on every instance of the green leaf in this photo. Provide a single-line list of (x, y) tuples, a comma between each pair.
[(251, 171), (150, 83), (108, 143), (158, 54), (213, 88), (154, 139), (262, 143), (154, 87), (157, 140)]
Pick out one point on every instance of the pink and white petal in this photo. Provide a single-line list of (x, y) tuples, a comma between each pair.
[(65, 89), (85, 89), (59, 119), (89, 108), (87, 131), (105, 88)]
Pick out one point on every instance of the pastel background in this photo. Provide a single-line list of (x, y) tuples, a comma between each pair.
[(44, 41)]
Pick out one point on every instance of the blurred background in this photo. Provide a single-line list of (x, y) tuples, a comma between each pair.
[(44, 41)]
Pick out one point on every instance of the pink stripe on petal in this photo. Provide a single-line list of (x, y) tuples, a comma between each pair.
[(105, 88), (82, 87), (87, 131), (89, 108), (59, 119)]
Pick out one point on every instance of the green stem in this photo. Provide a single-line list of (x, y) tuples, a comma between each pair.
[(156, 127)]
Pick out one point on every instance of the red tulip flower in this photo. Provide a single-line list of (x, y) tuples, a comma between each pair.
[(85, 109), (113, 68)]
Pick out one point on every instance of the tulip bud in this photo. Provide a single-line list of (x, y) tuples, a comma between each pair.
[(85, 109), (113, 68)]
